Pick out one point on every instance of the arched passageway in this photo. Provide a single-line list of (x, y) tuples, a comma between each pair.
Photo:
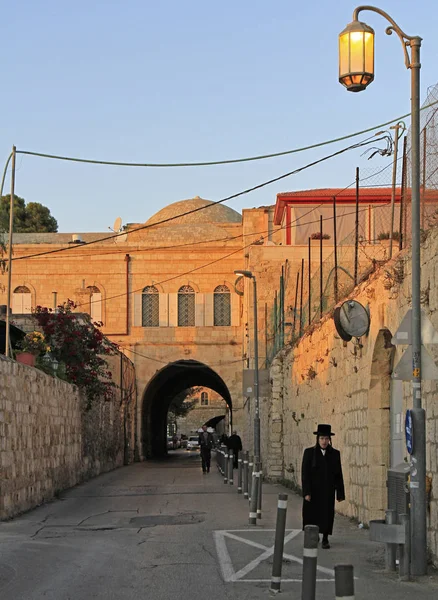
[(159, 393)]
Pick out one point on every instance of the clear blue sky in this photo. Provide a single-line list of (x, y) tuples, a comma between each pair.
[(171, 81)]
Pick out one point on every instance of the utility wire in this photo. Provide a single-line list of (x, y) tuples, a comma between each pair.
[(165, 362), (218, 162), (226, 199)]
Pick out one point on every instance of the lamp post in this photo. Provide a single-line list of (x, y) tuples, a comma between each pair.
[(257, 453), (356, 72)]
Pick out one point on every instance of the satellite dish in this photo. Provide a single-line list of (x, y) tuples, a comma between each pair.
[(351, 320), (117, 225), (239, 285)]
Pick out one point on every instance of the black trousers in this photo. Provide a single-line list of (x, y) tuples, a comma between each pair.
[(206, 458)]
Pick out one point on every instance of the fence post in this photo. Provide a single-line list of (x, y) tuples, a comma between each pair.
[(250, 472), (239, 474), (310, 555), (254, 493), (245, 475), (405, 550), (344, 582), (295, 306), (225, 473), (391, 549), (230, 467), (259, 495), (280, 528)]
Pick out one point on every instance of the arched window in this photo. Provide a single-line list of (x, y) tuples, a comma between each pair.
[(186, 306), (150, 307), (95, 303), (222, 306), (204, 399), (21, 300)]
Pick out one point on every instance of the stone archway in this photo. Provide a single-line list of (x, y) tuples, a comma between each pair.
[(159, 393), (379, 428)]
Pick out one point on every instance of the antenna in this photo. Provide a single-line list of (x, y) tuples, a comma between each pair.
[(116, 228)]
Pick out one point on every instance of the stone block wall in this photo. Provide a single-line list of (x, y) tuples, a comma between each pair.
[(47, 442)]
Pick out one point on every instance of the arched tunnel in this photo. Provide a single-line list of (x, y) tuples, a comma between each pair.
[(162, 389)]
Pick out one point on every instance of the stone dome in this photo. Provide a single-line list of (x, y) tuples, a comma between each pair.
[(218, 213)]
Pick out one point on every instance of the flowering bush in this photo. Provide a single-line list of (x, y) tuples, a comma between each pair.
[(34, 343), (80, 347)]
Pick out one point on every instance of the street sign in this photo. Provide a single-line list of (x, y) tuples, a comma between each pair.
[(403, 369), (409, 432), (403, 335)]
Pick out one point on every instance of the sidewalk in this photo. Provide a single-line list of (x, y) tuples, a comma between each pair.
[(160, 530)]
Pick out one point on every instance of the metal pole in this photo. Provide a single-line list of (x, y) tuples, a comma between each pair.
[(335, 242), (405, 550), (394, 183), (344, 582), (281, 319), (301, 296), (239, 475), (259, 495), (310, 280), (275, 322), (254, 493), (418, 457), (320, 265), (250, 472), (295, 305), (245, 475), (356, 234), (231, 467), (391, 549), (11, 231), (310, 557), (225, 473), (402, 195), (280, 528), (423, 187), (256, 378)]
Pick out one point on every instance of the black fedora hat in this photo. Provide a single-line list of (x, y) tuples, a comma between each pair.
[(324, 429)]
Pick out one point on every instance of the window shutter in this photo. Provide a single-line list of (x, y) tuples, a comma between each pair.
[(208, 310), (173, 310), (27, 303), (235, 310), (164, 310), (199, 310), (137, 310), (96, 307)]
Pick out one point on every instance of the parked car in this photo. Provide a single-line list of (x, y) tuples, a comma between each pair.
[(193, 442), (170, 444), (183, 441)]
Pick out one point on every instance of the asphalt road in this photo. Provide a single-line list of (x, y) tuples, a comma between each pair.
[(162, 531)]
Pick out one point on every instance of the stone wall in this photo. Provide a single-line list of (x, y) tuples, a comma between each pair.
[(48, 443), (325, 380)]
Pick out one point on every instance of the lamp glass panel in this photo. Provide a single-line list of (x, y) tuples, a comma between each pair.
[(369, 53), (356, 78), (344, 54), (357, 63)]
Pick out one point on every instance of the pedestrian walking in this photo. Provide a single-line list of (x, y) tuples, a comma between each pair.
[(322, 480), (234, 443), (205, 445)]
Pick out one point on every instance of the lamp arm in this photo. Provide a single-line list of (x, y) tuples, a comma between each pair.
[(404, 38)]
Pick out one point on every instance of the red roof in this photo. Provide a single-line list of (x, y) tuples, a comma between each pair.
[(325, 196)]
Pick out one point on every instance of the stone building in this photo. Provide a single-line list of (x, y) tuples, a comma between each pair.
[(209, 408)]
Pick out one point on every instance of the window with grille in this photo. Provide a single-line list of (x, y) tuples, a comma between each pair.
[(222, 306), (186, 306), (204, 399), (150, 307), (21, 300)]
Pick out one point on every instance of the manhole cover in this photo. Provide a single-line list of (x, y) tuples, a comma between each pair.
[(153, 520)]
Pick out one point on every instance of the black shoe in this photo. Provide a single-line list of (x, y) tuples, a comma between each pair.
[(325, 544), (208, 470)]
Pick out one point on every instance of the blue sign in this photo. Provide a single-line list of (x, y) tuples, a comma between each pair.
[(409, 431)]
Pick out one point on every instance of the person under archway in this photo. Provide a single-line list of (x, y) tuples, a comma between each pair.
[(321, 475), (206, 442), (234, 443)]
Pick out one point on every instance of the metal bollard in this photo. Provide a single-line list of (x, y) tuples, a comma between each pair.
[(259, 495), (405, 550), (225, 473), (239, 475), (245, 475), (344, 582), (280, 528), (391, 549), (231, 467), (254, 494), (250, 477), (310, 556)]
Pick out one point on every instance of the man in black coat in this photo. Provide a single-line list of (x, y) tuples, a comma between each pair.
[(205, 445), (321, 476), (234, 443)]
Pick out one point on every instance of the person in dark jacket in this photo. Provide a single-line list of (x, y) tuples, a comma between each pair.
[(205, 445), (321, 475), (234, 443)]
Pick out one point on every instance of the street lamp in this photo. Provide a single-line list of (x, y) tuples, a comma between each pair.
[(356, 72), (257, 453)]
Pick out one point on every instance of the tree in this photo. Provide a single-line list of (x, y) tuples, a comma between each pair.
[(30, 218)]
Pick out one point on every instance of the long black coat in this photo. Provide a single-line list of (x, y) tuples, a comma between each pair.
[(321, 478)]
